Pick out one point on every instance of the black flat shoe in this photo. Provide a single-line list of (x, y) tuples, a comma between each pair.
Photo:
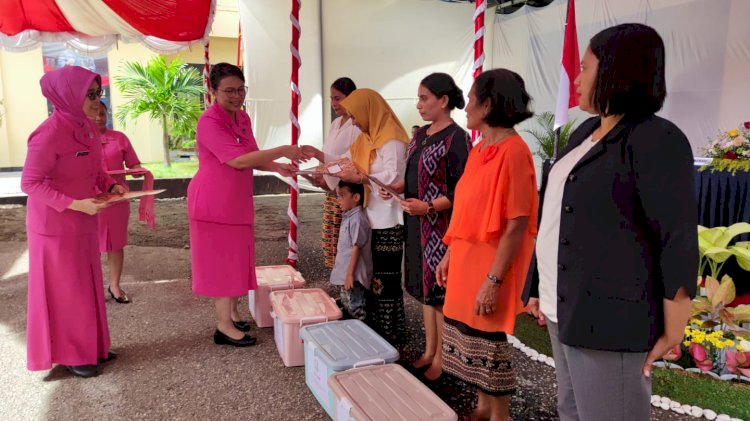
[(84, 371), (111, 355), (222, 339), (122, 300), (242, 325)]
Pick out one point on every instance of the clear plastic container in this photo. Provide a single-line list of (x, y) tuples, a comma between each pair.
[(337, 346)]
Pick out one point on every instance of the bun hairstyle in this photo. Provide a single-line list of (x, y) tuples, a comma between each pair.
[(344, 85), (441, 84), (221, 70)]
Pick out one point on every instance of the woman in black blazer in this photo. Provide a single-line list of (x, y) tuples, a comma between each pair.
[(617, 250)]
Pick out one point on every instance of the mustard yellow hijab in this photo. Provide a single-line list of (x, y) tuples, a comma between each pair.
[(378, 122)]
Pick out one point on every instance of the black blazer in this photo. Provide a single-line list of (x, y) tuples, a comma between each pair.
[(628, 235)]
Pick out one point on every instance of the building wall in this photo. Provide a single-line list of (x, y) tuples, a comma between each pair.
[(25, 107)]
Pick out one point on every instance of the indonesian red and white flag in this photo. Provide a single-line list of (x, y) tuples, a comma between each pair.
[(169, 20), (569, 69)]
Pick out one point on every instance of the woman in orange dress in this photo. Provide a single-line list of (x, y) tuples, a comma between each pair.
[(490, 243)]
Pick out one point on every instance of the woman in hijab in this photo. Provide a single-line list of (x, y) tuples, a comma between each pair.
[(67, 321), (380, 152)]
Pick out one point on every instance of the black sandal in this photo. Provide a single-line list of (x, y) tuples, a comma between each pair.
[(122, 300)]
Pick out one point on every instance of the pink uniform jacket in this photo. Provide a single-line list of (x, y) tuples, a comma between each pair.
[(59, 169), (219, 193)]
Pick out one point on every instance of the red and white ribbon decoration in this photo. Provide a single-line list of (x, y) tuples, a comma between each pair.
[(293, 116), (206, 72), (480, 8)]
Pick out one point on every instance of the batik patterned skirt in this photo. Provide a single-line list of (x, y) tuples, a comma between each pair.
[(330, 231), (387, 316), (481, 359)]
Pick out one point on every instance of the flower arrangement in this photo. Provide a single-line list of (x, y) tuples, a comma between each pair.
[(717, 341), (730, 150)]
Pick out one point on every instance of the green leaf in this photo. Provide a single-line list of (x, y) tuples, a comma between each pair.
[(731, 232), (742, 255), (718, 254), (711, 235)]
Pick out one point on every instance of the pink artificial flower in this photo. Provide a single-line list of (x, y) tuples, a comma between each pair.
[(673, 354), (738, 361), (698, 352), (738, 141)]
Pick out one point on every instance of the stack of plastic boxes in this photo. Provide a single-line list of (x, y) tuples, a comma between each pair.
[(271, 278)]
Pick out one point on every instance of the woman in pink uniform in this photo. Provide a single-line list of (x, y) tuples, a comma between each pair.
[(113, 221), (67, 322), (220, 202)]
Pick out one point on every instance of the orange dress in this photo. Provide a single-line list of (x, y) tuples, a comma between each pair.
[(498, 184)]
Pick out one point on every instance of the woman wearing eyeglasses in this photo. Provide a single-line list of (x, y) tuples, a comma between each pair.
[(67, 320), (113, 221), (220, 202)]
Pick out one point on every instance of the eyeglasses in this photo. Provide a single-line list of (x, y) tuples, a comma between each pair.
[(236, 92), (93, 95)]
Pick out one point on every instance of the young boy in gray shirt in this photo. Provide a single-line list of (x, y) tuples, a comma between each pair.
[(352, 270)]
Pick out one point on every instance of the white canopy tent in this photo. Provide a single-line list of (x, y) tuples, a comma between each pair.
[(390, 45)]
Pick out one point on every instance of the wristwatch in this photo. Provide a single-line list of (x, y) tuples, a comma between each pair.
[(494, 279), (430, 207)]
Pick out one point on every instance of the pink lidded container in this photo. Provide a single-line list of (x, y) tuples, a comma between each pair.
[(293, 309)]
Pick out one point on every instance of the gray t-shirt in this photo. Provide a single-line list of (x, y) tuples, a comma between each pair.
[(354, 230)]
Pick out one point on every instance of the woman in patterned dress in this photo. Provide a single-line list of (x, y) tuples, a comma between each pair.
[(435, 161)]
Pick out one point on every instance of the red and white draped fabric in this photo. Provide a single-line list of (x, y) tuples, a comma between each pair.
[(95, 26), (569, 69)]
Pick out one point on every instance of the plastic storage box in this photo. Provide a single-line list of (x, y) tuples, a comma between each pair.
[(338, 346), (271, 278), (293, 309), (385, 392)]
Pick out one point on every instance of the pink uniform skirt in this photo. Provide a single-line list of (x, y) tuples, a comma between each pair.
[(113, 227), (67, 320), (223, 259)]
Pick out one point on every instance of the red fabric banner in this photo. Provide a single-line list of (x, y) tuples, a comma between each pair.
[(42, 15), (172, 20)]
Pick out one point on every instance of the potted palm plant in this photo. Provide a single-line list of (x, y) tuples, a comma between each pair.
[(545, 135), (166, 92)]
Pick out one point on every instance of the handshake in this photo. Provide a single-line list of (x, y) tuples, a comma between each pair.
[(301, 154)]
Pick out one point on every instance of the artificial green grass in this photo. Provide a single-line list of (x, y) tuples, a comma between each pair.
[(533, 335), (724, 397), (182, 169)]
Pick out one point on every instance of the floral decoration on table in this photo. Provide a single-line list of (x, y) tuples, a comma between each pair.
[(717, 339), (730, 150)]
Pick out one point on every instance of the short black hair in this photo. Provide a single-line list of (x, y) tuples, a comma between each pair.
[(630, 77), (506, 91), (441, 84), (354, 188), (344, 85), (416, 126), (221, 70)]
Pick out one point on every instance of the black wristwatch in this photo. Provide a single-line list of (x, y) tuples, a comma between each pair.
[(494, 279), (430, 207)]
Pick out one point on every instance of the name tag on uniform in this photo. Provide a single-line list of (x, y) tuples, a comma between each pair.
[(82, 153)]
